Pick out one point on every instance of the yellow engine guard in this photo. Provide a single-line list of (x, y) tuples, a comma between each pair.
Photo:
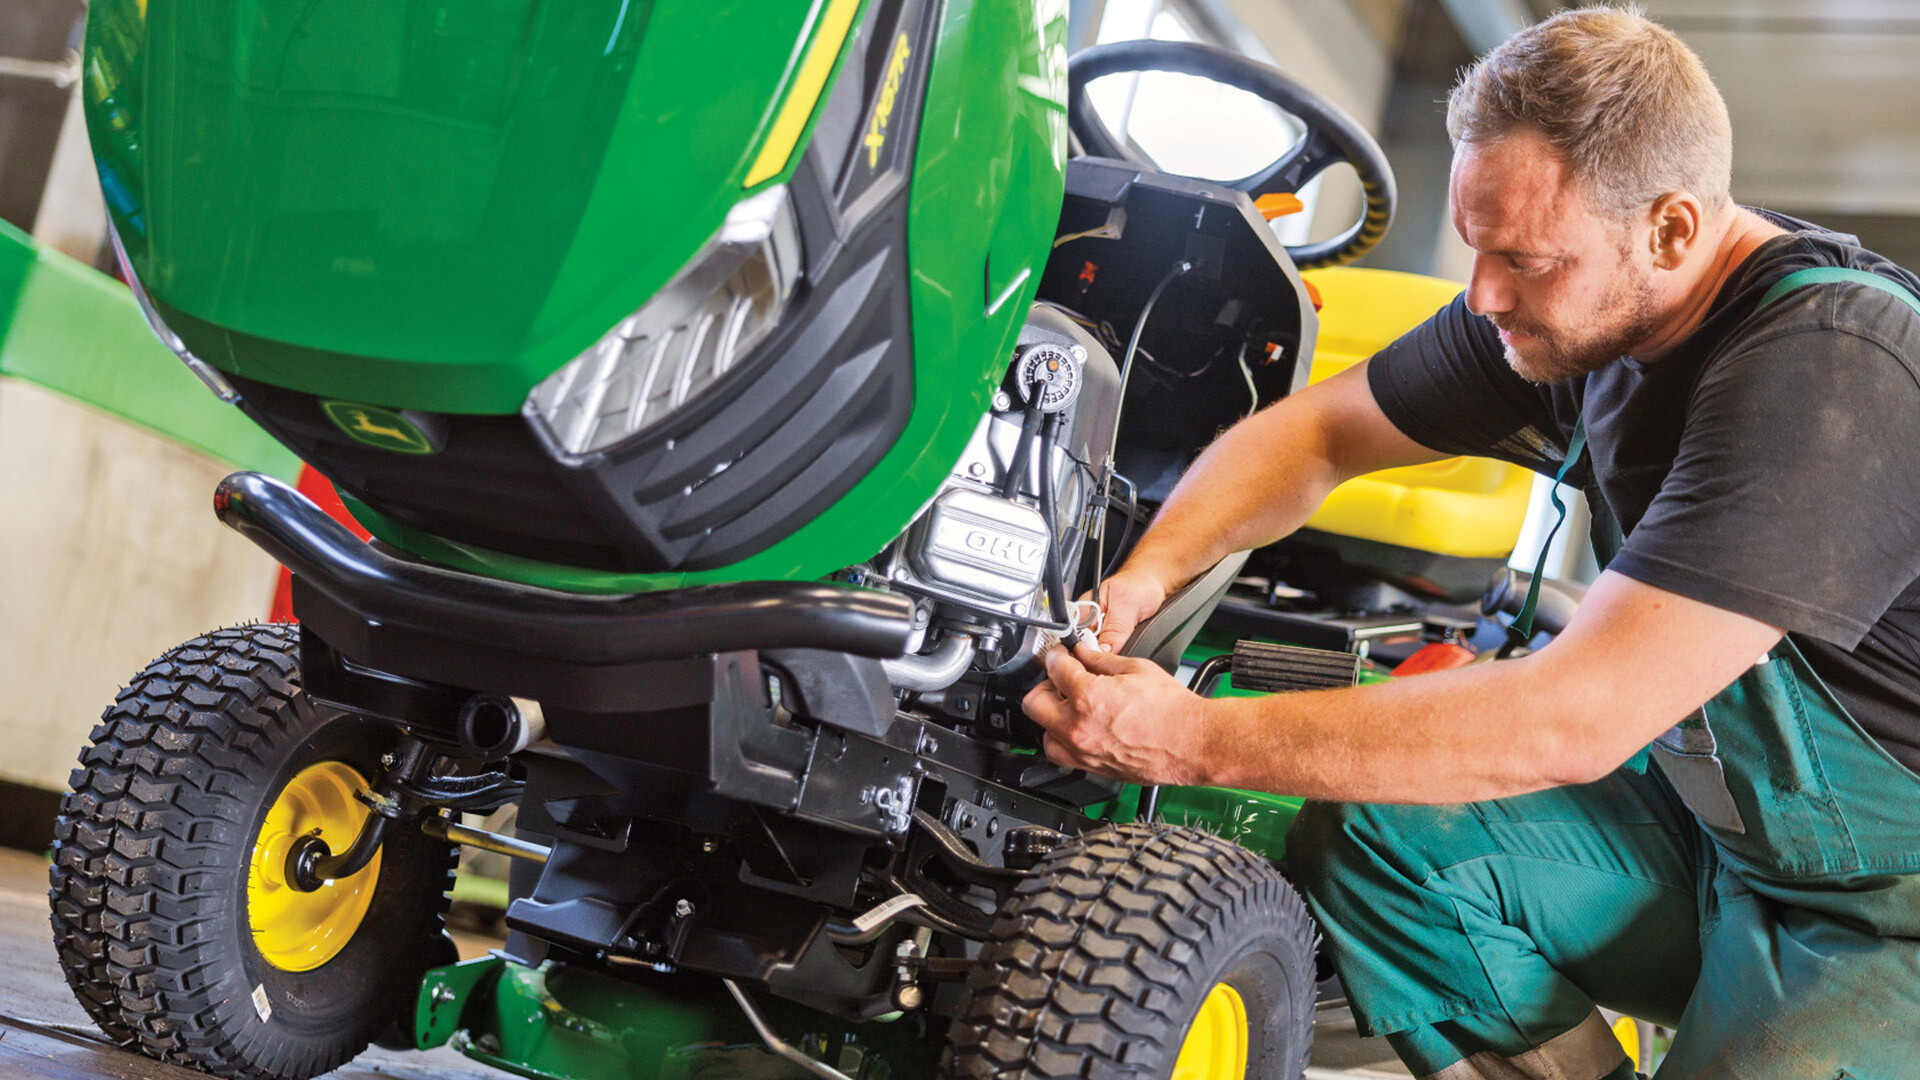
[(1463, 507)]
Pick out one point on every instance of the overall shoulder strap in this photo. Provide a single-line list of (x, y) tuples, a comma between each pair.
[(1520, 631), (1826, 275)]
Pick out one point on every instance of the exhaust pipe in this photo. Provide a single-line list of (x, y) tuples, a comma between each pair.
[(936, 670), (493, 726)]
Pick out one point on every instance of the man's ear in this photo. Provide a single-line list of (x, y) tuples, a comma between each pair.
[(1676, 219)]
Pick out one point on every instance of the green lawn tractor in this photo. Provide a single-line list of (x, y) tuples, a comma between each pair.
[(738, 395)]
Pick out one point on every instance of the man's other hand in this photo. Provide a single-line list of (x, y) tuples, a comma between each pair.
[(1128, 599), (1119, 716)]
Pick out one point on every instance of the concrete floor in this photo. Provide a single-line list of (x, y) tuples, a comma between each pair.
[(44, 1034)]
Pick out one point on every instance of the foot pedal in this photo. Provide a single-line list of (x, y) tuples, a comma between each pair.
[(1273, 669)]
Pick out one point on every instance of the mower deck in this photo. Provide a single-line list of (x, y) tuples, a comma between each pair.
[(44, 1035)]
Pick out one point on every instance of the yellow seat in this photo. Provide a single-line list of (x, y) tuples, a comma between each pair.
[(1462, 507)]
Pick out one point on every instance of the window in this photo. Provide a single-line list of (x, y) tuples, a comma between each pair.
[(1185, 124)]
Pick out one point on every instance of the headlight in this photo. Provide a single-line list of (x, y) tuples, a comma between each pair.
[(206, 372), (723, 303)]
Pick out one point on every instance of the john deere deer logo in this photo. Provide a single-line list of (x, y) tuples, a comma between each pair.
[(375, 426)]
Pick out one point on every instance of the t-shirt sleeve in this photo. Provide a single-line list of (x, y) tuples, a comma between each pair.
[(1446, 385), (1795, 496)]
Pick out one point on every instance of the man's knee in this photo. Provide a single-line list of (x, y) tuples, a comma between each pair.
[(1330, 841)]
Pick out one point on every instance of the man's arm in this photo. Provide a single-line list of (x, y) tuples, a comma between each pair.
[(1258, 482), (1635, 660)]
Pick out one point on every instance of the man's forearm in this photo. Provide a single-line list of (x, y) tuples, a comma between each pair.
[(1635, 660), (1482, 732), (1257, 483), (1267, 475)]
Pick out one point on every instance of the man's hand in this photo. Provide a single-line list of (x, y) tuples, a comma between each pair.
[(1121, 717), (1128, 599)]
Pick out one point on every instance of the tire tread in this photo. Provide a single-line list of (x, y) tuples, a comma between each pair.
[(157, 799), (1092, 966)]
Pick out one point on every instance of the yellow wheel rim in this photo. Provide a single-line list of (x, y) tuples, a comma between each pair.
[(1627, 1030), (1216, 1046), (297, 931)]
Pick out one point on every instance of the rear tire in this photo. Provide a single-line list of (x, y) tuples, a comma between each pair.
[(1133, 944), (153, 850)]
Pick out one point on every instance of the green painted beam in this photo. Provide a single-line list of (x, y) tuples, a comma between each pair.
[(77, 331)]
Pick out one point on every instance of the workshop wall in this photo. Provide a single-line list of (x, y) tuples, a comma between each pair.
[(110, 553), (113, 556)]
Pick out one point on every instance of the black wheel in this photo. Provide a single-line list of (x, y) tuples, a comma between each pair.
[(175, 926), (1331, 135), (1146, 952)]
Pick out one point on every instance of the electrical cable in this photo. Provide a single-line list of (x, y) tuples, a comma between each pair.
[(1055, 578), (1252, 391), (1017, 470), (774, 1042), (1126, 533), (1098, 232), (1119, 406), (1133, 344)]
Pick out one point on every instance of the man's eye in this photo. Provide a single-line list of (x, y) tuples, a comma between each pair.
[(1530, 266)]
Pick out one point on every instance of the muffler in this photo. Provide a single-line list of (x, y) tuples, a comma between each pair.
[(493, 726)]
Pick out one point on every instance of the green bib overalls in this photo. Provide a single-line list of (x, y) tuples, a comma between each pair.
[(1752, 880)]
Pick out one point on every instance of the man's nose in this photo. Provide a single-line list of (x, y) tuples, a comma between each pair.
[(1488, 290)]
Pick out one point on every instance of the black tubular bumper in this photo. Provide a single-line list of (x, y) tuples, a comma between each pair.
[(427, 622)]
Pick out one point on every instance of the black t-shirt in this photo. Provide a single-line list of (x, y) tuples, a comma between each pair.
[(1769, 465)]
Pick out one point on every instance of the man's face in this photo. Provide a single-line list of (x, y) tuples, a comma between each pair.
[(1562, 285)]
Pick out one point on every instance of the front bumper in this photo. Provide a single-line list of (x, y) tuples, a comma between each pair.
[(594, 653)]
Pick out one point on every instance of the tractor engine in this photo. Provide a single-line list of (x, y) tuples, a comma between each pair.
[(990, 559)]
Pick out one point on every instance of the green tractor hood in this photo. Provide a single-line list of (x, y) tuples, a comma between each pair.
[(440, 202)]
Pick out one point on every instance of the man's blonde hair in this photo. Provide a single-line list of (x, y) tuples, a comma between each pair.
[(1630, 108)]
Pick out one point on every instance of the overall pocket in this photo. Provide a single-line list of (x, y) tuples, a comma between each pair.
[(1876, 796), (1775, 812)]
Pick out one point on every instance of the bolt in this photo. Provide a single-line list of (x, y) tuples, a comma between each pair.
[(709, 845), (1019, 609), (866, 796), (1079, 352), (976, 468), (902, 574), (683, 909), (442, 993), (387, 760), (962, 704), (993, 827), (1001, 402), (908, 997)]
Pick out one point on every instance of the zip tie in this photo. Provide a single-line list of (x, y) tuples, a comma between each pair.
[(886, 912), (1093, 621)]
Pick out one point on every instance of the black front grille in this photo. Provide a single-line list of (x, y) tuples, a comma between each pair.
[(490, 483)]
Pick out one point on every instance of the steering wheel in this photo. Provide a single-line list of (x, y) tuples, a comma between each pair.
[(1331, 135)]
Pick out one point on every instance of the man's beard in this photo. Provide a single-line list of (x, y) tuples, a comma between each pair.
[(1629, 313)]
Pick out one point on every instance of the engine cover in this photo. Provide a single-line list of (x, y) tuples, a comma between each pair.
[(980, 544)]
